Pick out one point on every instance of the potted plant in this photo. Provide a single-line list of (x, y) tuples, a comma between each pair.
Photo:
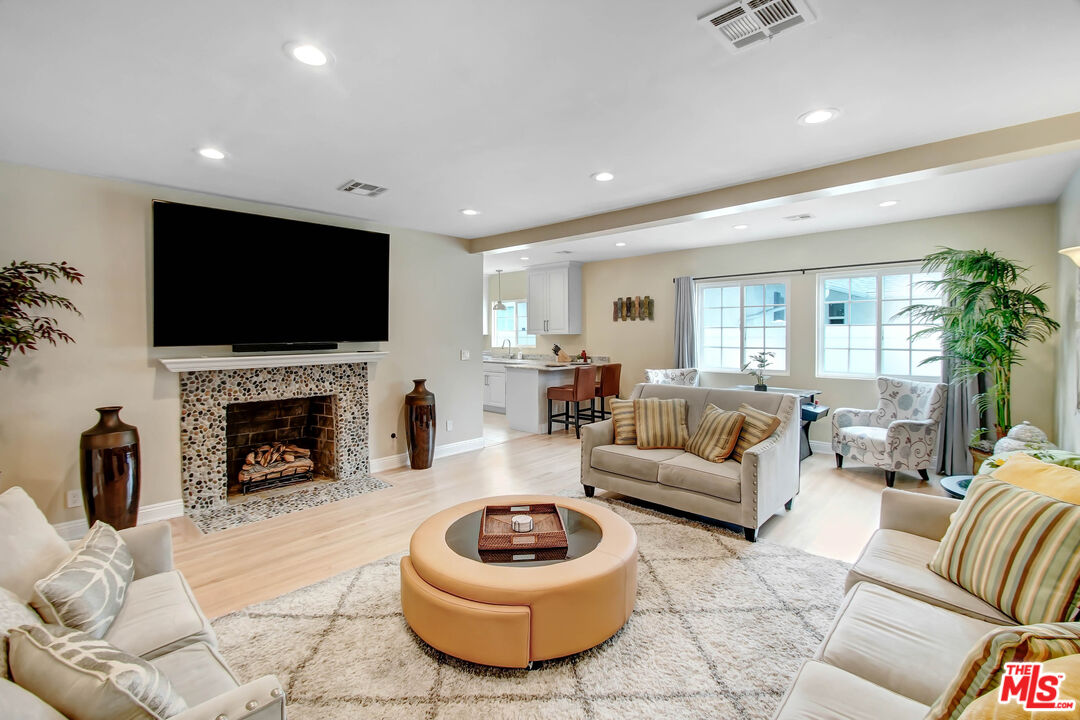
[(21, 298), (760, 360), (981, 447), (987, 316)]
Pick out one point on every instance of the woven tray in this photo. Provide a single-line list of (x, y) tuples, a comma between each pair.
[(496, 533), (522, 555)]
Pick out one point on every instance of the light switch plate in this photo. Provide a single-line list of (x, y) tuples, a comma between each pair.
[(465, 354), (449, 425), (74, 498)]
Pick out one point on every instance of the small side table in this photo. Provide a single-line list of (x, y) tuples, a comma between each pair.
[(957, 485)]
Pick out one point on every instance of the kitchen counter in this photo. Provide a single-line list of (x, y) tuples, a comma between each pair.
[(534, 364)]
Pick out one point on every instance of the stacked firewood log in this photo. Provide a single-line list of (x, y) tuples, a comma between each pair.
[(276, 460)]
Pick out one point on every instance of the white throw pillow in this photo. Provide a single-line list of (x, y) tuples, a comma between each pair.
[(87, 591), (89, 679), (30, 548), (13, 613)]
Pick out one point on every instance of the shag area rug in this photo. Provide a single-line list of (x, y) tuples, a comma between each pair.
[(298, 498), (720, 628)]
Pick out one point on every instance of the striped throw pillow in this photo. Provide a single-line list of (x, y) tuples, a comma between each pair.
[(1015, 549), (661, 423), (622, 417), (716, 435), (757, 426), (983, 667)]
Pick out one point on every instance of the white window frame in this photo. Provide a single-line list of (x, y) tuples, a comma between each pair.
[(741, 283), (517, 332), (819, 320)]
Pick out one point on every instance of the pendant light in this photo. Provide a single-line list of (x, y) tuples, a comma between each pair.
[(500, 305)]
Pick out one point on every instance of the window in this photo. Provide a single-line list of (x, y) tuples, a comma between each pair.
[(735, 320), (862, 332), (510, 324)]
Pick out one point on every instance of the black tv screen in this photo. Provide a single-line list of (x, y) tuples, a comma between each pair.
[(231, 278)]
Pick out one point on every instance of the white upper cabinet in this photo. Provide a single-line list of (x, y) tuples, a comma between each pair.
[(555, 299)]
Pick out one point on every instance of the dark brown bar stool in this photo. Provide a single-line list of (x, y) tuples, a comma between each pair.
[(608, 386), (584, 388)]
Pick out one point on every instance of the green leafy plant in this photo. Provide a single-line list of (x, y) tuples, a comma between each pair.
[(987, 316), (21, 327), (760, 360)]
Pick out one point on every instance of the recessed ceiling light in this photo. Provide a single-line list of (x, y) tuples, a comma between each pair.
[(888, 203), (211, 153), (739, 227), (469, 211), (620, 244), (816, 117), (307, 54), (524, 258), (603, 176)]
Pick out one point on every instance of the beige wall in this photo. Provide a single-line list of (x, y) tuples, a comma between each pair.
[(1027, 234), (103, 228), (1068, 277)]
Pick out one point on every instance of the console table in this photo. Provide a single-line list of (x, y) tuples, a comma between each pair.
[(810, 412)]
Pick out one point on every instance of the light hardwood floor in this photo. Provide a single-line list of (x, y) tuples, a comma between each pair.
[(834, 515)]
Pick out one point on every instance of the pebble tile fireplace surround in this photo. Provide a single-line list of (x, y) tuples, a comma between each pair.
[(206, 394)]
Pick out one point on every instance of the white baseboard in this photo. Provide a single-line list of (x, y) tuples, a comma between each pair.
[(402, 459), (75, 529), (820, 446)]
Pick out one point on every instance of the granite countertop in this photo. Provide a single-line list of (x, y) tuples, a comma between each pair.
[(539, 365)]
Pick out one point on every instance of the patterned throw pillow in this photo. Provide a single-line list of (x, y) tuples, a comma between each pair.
[(757, 426), (675, 376), (13, 613), (89, 679), (982, 669), (716, 435), (622, 417), (661, 423), (87, 591), (1015, 549)]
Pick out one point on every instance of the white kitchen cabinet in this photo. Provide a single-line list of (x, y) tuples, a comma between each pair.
[(554, 298), (494, 387)]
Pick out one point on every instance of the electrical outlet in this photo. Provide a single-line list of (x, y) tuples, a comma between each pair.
[(465, 355), (449, 425), (74, 498)]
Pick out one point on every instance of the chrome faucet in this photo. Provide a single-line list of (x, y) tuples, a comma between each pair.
[(509, 351)]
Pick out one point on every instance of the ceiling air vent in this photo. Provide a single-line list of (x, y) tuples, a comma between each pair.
[(564, 252), (797, 218), (362, 189), (749, 22)]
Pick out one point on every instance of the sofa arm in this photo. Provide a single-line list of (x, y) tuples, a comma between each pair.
[(594, 435), (770, 469), (151, 547), (261, 699), (924, 515)]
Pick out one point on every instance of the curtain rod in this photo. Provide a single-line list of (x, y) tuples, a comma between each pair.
[(806, 270)]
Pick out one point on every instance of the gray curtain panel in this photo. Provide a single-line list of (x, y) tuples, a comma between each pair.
[(685, 347), (961, 419)]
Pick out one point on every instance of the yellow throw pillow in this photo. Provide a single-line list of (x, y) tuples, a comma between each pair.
[(622, 417), (716, 435), (757, 426), (1060, 483), (987, 707), (661, 423)]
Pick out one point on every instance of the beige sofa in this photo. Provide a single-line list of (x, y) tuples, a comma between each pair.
[(746, 493), (161, 622), (902, 632)]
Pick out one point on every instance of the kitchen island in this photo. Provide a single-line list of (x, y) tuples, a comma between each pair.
[(527, 382)]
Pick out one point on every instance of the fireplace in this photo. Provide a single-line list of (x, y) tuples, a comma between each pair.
[(270, 443)]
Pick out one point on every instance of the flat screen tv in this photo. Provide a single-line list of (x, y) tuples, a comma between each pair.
[(232, 278)]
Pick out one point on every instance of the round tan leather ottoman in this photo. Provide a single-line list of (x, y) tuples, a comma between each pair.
[(509, 615)]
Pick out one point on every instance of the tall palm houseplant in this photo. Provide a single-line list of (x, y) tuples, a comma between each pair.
[(988, 314)]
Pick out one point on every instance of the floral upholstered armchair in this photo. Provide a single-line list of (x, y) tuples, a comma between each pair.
[(901, 434), (675, 376)]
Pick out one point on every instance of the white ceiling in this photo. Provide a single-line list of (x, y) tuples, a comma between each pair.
[(506, 107), (1027, 182)]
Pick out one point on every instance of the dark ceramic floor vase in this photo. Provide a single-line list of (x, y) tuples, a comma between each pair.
[(109, 460), (420, 425)]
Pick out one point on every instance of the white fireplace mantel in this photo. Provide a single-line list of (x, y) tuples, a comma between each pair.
[(233, 362)]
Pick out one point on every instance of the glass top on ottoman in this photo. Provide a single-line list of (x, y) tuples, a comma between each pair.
[(582, 536)]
